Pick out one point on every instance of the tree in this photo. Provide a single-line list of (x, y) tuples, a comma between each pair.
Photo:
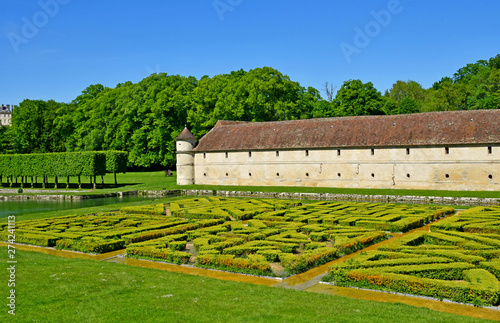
[(408, 105), (410, 89), (261, 94), (6, 140), (329, 90), (33, 128), (356, 98)]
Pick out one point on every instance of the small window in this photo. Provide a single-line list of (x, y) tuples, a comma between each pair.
[(227, 154), (446, 150), (277, 174), (490, 176), (372, 151), (227, 174), (307, 153), (250, 154), (204, 155), (338, 152), (250, 174), (447, 175), (407, 151), (490, 150), (408, 175), (205, 174), (373, 175), (307, 174), (277, 153), (339, 174)]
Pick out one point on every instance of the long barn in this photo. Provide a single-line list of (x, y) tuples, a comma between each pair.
[(454, 150)]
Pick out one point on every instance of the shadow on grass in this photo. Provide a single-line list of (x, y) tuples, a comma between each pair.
[(72, 186)]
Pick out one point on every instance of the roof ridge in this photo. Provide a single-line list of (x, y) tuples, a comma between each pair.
[(221, 123)]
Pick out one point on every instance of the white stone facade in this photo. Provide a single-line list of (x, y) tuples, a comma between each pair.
[(436, 168), (5, 115), (457, 150)]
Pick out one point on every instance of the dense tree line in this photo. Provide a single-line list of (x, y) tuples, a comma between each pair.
[(145, 118)]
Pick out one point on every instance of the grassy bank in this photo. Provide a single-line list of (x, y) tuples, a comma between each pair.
[(158, 181), (73, 290)]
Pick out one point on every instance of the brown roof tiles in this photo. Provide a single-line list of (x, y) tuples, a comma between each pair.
[(433, 128), (186, 135)]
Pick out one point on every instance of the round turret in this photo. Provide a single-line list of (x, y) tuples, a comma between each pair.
[(185, 157)]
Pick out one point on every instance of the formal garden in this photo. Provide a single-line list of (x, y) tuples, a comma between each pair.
[(458, 259)]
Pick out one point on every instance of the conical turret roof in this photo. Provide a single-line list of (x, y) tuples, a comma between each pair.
[(186, 135)]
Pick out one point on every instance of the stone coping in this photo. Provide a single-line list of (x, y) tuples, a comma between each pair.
[(465, 201)]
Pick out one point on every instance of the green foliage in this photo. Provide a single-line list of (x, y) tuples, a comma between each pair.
[(86, 163), (41, 126), (261, 94), (145, 118), (90, 245), (356, 98), (165, 254), (460, 266), (116, 161)]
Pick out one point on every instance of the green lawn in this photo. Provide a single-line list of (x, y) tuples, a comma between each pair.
[(158, 181), (53, 289)]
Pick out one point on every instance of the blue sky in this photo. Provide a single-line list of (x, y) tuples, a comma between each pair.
[(53, 49)]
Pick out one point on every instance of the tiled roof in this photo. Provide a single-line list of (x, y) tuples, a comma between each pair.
[(433, 128), (186, 135)]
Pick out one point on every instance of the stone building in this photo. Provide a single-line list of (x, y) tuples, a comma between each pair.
[(5, 115), (455, 150)]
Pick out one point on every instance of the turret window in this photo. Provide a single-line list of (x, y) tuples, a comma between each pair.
[(490, 150), (227, 154)]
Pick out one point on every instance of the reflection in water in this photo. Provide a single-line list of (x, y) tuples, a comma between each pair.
[(22, 207)]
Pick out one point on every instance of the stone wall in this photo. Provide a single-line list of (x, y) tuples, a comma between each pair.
[(466, 201), (460, 168), (471, 201)]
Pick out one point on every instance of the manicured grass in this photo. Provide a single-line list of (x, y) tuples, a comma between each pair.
[(53, 289), (158, 181), (333, 190)]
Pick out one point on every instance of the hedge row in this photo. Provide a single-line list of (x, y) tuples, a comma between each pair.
[(153, 253), (478, 219), (156, 209), (101, 232), (460, 266), (254, 264), (484, 293), (86, 163)]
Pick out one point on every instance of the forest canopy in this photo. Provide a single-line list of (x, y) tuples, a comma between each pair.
[(145, 118)]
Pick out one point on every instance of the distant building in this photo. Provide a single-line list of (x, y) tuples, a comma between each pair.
[(455, 150), (5, 115)]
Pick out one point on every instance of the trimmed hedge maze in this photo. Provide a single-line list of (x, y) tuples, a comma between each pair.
[(263, 237), (279, 238), (458, 260)]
